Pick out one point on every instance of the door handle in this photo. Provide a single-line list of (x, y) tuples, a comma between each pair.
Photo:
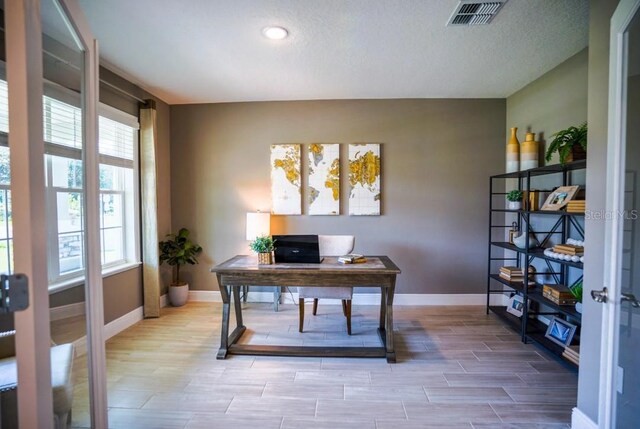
[(631, 298), (599, 295)]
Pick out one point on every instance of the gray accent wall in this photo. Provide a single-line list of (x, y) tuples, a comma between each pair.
[(437, 156)]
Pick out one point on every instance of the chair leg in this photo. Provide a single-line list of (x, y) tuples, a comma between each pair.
[(301, 310), (344, 307), (348, 307), (315, 306)]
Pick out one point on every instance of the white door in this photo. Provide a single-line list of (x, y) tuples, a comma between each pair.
[(51, 52), (620, 378)]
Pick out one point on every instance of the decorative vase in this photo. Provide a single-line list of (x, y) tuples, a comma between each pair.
[(179, 294), (514, 205), (520, 241), (529, 152), (513, 152), (265, 258)]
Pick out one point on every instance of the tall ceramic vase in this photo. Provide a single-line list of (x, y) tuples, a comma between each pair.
[(513, 152), (529, 152)]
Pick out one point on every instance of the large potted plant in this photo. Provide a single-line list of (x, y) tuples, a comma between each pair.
[(571, 144), (263, 246), (178, 250)]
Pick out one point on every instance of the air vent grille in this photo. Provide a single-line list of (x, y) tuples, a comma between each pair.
[(472, 12)]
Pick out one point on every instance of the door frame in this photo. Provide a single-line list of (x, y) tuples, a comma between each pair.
[(25, 83), (616, 158)]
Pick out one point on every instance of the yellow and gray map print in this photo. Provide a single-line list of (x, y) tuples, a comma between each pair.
[(364, 178), (285, 179), (324, 179)]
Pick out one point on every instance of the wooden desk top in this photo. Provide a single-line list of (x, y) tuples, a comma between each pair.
[(329, 265)]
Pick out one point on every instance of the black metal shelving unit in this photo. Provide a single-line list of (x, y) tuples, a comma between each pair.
[(529, 326)]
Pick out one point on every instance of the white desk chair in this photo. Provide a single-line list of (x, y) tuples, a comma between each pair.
[(330, 245)]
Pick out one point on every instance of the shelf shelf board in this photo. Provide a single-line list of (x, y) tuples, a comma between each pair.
[(535, 294), (536, 252), (511, 320), (548, 169), (538, 337), (518, 286), (539, 212)]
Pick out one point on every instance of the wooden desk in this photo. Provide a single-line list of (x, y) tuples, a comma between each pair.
[(378, 271)]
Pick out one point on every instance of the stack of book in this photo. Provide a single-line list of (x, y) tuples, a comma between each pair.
[(352, 258), (572, 353), (558, 294), (576, 206), (513, 274), (568, 249)]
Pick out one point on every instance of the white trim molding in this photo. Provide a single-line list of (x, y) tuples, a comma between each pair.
[(164, 300), (66, 311), (580, 420)]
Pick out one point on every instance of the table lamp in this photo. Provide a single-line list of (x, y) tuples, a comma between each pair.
[(258, 225)]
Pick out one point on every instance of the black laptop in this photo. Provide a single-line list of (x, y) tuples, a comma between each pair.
[(297, 249)]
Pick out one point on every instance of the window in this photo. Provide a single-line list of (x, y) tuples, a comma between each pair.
[(64, 189)]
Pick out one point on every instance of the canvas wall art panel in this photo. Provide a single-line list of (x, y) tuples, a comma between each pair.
[(324, 179), (286, 198), (364, 179)]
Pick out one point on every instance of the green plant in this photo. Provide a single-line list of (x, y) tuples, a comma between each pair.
[(514, 195), (264, 244), (564, 141), (178, 250), (576, 290)]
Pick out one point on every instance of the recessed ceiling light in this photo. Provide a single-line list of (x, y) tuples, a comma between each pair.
[(275, 33)]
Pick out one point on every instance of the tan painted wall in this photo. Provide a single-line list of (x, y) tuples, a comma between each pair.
[(552, 102), (436, 159)]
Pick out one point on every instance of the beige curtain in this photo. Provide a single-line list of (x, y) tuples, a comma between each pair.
[(149, 209)]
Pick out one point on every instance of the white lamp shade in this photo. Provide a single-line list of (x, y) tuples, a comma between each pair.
[(258, 224)]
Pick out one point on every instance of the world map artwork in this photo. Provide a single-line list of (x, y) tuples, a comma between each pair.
[(324, 179), (286, 198), (364, 179)]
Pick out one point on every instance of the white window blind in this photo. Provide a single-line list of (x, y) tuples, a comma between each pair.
[(4, 107), (62, 123), (115, 139)]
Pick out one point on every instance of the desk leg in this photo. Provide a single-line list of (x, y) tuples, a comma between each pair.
[(391, 352), (383, 307), (237, 303), (226, 308)]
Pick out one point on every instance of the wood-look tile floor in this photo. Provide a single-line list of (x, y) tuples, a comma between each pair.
[(457, 368)]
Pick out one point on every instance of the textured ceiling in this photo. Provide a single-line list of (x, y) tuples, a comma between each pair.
[(201, 51)]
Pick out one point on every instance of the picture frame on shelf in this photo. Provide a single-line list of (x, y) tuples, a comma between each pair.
[(560, 197), (560, 331), (515, 305)]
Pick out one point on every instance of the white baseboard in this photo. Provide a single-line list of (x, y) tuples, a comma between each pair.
[(580, 420), (65, 311), (111, 329), (361, 298), (164, 300)]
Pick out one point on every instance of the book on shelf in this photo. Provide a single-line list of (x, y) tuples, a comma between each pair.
[(515, 279), (572, 353), (558, 294), (568, 249), (352, 258)]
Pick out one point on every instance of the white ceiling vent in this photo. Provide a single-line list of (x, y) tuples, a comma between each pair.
[(474, 12)]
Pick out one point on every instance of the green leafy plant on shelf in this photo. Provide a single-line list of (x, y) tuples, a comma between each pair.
[(178, 250), (514, 196), (264, 244), (576, 290), (567, 143)]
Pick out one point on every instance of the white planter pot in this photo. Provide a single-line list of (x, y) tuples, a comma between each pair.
[(579, 307), (179, 295), (514, 205)]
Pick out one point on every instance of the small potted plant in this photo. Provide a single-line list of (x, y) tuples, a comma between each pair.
[(571, 144), (515, 200), (178, 250), (263, 246), (576, 290)]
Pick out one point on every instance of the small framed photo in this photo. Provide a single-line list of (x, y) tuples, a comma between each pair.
[(560, 332), (560, 197), (515, 305)]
